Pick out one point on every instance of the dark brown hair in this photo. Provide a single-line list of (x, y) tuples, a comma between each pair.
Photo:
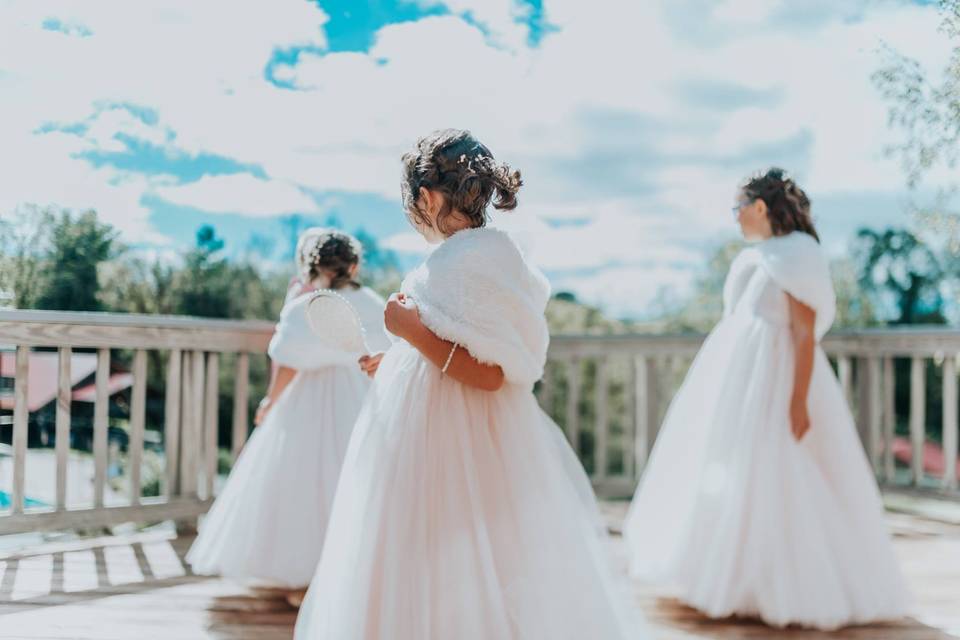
[(328, 252), (788, 207), (454, 163)]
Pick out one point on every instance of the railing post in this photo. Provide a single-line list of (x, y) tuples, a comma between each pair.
[(874, 413), (602, 425), (62, 441), (918, 416), (546, 390), (844, 373), (950, 426), (138, 410), (21, 418), (889, 418), (573, 403), (655, 372), (171, 428), (241, 421), (211, 418), (101, 426), (641, 414)]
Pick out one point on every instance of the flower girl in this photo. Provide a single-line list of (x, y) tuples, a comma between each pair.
[(758, 499), (269, 522), (455, 516)]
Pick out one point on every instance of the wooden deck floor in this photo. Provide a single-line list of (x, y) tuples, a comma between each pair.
[(135, 587)]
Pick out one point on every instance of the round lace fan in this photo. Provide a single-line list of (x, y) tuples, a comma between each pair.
[(335, 322)]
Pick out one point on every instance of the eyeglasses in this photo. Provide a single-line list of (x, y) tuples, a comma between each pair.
[(735, 209)]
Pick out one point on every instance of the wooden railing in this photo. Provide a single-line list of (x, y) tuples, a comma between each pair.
[(193, 348), (609, 394), (642, 372)]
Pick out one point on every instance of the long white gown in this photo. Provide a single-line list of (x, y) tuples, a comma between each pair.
[(457, 515), (733, 513), (269, 521)]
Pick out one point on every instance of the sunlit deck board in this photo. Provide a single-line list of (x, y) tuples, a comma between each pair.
[(136, 588)]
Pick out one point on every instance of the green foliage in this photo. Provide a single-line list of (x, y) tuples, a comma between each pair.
[(567, 316), (52, 259), (901, 274), (69, 277), (926, 112), (23, 237)]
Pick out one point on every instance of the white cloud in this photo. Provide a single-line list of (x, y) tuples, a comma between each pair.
[(639, 174), (239, 193)]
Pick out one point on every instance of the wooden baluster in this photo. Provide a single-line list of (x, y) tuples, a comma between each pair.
[(199, 404), (21, 418), (186, 426), (211, 419), (171, 428), (844, 372), (546, 390), (656, 371), (62, 444), (138, 412), (241, 390), (889, 418), (602, 424), (874, 413), (191, 436), (918, 416), (101, 426), (950, 426), (573, 403), (641, 414)]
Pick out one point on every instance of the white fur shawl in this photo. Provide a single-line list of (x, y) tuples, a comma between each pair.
[(799, 266), (477, 290)]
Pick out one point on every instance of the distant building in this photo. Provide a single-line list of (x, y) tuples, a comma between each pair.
[(43, 369)]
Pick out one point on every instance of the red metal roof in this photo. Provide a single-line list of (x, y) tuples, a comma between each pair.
[(43, 368)]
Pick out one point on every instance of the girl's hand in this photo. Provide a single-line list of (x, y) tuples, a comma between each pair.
[(262, 410), (401, 317), (370, 364), (799, 419)]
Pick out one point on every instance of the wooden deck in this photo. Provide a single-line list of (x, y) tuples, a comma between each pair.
[(135, 587)]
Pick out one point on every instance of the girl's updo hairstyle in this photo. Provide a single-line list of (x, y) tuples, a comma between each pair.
[(788, 207), (328, 252), (454, 163)]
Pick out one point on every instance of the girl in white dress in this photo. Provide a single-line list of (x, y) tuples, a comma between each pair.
[(456, 516), (269, 521), (758, 499)]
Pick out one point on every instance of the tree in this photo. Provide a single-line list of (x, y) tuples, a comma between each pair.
[(70, 273), (901, 274), (927, 112), (23, 239), (855, 309)]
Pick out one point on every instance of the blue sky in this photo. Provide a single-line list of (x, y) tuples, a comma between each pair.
[(632, 122)]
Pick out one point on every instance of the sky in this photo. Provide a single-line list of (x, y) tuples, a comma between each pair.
[(632, 122)]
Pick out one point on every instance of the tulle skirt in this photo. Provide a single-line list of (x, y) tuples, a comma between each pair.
[(459, 515), (739, 518), (269, 521)]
